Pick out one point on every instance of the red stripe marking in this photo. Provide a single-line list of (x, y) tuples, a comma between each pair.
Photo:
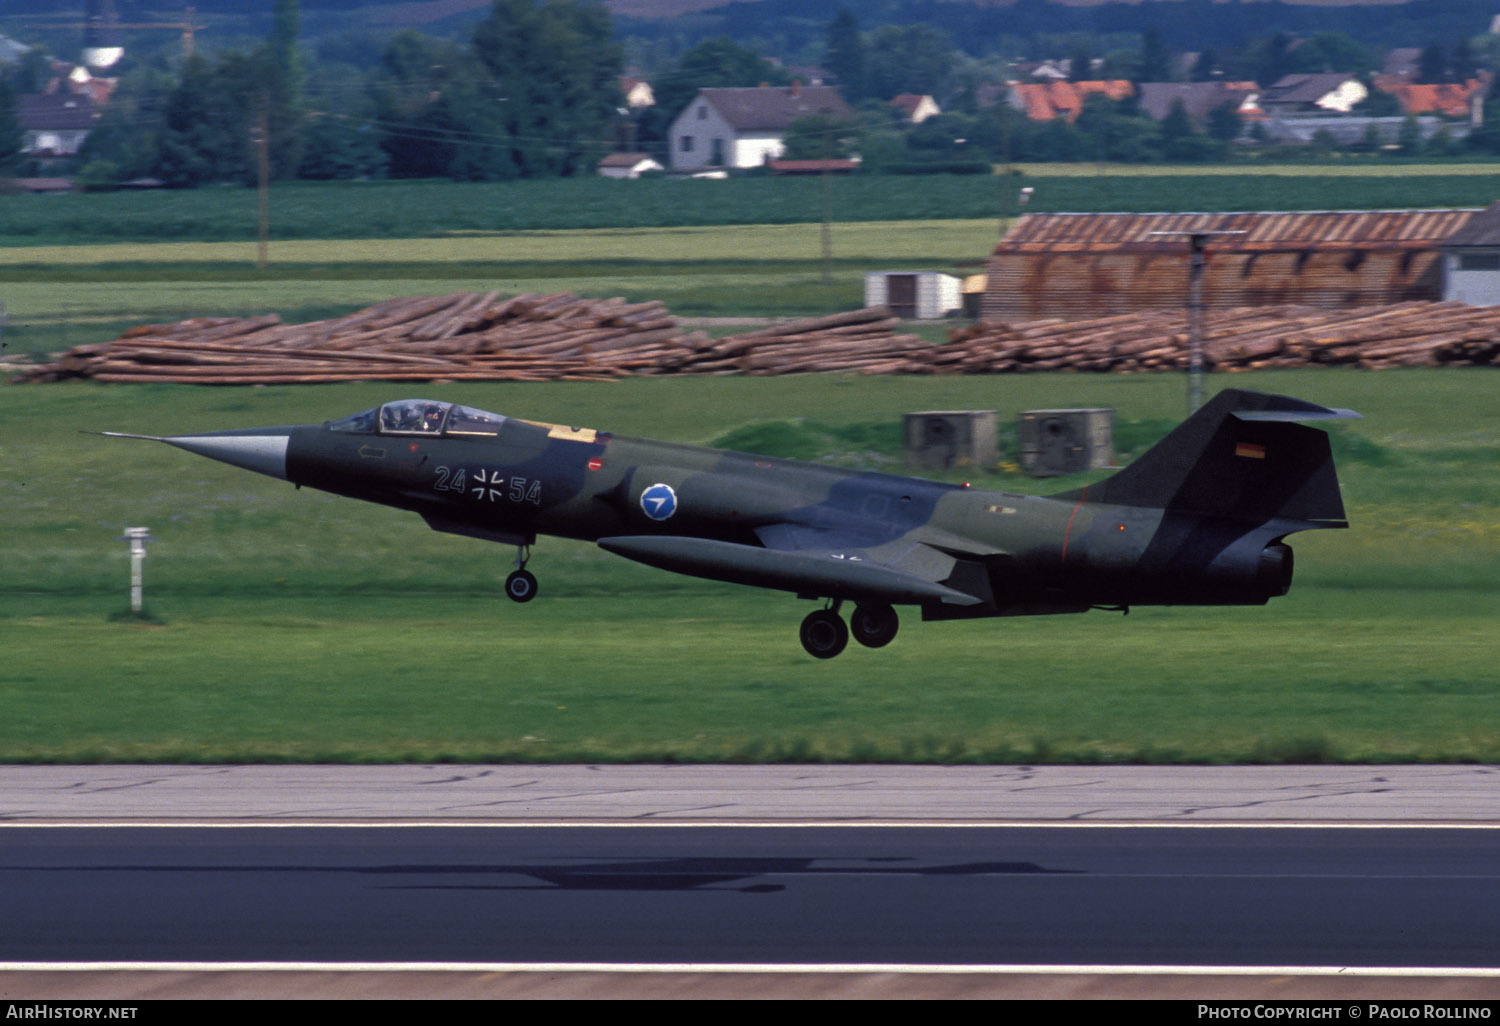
[(1068, 533)]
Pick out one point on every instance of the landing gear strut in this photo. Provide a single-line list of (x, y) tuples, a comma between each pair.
[(520, 586)]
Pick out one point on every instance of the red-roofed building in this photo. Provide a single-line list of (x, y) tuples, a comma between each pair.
[(1044, 101), (1450, 99)]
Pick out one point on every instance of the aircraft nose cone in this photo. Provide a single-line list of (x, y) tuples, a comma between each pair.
[(263, 451)]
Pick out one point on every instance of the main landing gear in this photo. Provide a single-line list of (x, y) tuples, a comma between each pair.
[(520, 586), (824, 634)]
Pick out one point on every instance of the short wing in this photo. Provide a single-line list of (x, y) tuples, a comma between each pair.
[(924, 554), (828, 570)]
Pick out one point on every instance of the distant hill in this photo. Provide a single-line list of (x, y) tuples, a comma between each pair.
[(672, 8), (785, 27), (979, 25)]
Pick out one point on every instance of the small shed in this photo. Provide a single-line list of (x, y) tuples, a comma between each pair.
[(919, 295), (1471, 260)]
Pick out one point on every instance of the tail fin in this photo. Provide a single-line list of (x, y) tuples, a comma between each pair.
[(1241, 455)]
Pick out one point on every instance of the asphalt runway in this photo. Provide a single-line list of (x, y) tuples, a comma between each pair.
[(1292, 882)]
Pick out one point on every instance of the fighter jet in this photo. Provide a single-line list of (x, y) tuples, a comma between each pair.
[(1200, 519)]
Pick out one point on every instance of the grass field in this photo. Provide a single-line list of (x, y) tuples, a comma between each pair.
[(61, 296), (389, 210), (295, 625), (1384, 168)]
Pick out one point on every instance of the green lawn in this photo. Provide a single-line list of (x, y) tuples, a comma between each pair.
[(296, 625), (404, 209), (57, 297)]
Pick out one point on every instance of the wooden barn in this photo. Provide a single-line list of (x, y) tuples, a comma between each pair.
[(1092, 265)]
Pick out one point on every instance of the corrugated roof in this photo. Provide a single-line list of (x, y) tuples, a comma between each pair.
[(1483, 229), (1256, 232)]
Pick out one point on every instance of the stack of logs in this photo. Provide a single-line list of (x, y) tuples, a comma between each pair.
[(479, 337), (1245, 338), (462, 336), (857, 342)]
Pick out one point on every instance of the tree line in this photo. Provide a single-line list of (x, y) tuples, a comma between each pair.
[(533, 91)]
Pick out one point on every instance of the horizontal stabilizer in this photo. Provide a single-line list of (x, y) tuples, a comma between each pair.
[(1285, 408)]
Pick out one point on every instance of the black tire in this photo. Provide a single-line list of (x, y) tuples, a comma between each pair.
[(520, 586), (873, 626), (824, 634)]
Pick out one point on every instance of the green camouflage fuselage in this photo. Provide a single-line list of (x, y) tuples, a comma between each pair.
[(1198, 519), (1014, 554)]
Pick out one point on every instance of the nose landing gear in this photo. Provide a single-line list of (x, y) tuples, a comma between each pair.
[(520, 586)]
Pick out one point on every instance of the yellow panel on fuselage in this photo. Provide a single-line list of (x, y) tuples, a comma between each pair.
[(567, 434)]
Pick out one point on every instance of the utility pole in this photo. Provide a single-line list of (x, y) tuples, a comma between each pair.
[(260, 136), (827, 205), (1197, 261), (1198, 241)]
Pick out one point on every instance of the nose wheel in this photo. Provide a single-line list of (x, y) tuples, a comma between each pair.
[(520, 586)]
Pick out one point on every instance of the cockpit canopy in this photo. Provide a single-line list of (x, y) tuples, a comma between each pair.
[(421, 417)]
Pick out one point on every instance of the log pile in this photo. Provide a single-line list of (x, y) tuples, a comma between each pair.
[(1416, 334), (462, 336), (468, 336), (479, 337), (856, 342)]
